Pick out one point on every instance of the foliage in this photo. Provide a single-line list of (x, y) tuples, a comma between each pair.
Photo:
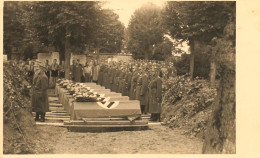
[(201, 63), (195, 20), (44, 26), (145, 31), (13, 28), (17, 118), (109, 33), (187, 104), (162, 50), (56, 21), (221, 133)]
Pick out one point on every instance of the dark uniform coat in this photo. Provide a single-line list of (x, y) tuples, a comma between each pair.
[(104, 80), (138, 88), (133, 86), (100, 75), (124, 84), (128, 82), (155, 96), (121, 80), (77, 73), (39, 100), (116, 81), (144, 91), (111, 74)]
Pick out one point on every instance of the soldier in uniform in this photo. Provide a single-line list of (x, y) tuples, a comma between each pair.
[(111, 73), (120, 83), (128, 78), (124, 84), (133, 85), (96, 71), (48, 69), (116, 80), (77, 72), (138, 85), (144, 92), (54, 72), (62, 70), (40, 103), (100, 75), (155, 96), (72, 70), (104, 81)]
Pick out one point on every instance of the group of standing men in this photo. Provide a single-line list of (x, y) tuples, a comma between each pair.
[(52, 71), (87, 73), (140, 80)]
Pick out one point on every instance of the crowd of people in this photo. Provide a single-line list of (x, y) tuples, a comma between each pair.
[(139, 79)]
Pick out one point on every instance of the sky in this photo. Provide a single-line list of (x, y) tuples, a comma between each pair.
[(125, 8)]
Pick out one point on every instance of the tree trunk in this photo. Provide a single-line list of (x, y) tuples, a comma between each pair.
[(191, 59), (212, 72), (220, 136), (67, 57)]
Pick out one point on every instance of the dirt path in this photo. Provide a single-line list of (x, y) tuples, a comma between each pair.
[(157, 140)]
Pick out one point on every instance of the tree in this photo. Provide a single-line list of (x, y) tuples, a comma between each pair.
[(13, 28), (144, 31), (68, 26), (109, 33), (221, 132), (162, 50), (195, 21)]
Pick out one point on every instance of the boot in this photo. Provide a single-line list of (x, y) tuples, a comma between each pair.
[(43, 117), (37, 116)]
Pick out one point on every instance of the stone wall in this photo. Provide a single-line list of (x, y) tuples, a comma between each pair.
[(82, 58), (48, 56)]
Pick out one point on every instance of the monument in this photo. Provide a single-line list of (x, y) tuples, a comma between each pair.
[(82, 58), (49, 56)]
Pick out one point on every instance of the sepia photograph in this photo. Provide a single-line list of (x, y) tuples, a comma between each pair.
[(119, 77)]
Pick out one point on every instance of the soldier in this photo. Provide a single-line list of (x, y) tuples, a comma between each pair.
[(100, 75), (96, 71), (155, 96), (72, 70), (133, 85), (138, 85), (111, 73), (124, 81), (48, 69), (121, 77), (116, 81), (77, 72), (87, 73), (105, 76), (62, 70), (54, 72), (128, 81), (40, 103), (144, 92)]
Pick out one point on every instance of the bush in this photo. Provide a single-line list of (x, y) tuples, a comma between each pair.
[(18, 120), (187, 104)]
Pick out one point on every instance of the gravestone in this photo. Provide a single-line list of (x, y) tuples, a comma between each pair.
[(82, 58), (48, 56)]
